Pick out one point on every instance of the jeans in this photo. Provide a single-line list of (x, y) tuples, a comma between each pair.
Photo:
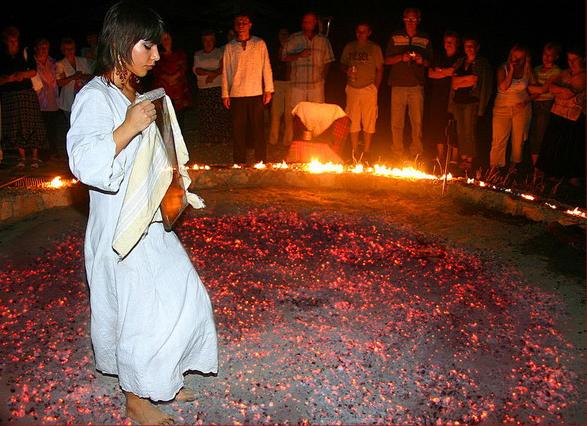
[(413, 99), (466, 118)]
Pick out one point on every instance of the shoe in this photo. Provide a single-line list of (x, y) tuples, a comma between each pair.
[(20, 164), (35, 163)]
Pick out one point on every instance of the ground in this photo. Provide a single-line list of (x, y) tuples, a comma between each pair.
[(331, 306)]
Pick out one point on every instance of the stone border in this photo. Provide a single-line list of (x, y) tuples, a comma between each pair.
[(17, 203), (458, 190)]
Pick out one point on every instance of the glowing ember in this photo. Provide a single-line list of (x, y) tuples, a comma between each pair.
[(322, 318), (236, 166), (528, 197)]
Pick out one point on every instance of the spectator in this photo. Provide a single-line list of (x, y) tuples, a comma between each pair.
[(48, 95), (542, 99), (22, 123), (512, 110), (408, 52), (563, 148), (362, 61), (91, 50), (170, 73), (310, 55), (230, 35), (281, 102), (437, 93), (213, 119), (247, 85), (472, 85), (72, 73)]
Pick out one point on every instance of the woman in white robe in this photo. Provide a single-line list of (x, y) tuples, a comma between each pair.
[(151, 317)]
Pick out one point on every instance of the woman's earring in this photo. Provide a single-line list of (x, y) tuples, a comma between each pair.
[(122, 74)]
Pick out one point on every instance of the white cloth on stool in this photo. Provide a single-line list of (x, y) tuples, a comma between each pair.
[(317, 117), (149, 180), (151, 317)]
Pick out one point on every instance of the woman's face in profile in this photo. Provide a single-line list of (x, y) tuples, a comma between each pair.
[(144, 55)]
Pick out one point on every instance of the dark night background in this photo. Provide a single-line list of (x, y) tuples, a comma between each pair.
[(499, 23)]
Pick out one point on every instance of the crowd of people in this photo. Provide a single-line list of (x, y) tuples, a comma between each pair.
[(443, 91)]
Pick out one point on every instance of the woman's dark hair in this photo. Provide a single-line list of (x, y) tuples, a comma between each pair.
[(125, 24)]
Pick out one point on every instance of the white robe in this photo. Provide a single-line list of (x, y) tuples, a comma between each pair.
[(151, 317)]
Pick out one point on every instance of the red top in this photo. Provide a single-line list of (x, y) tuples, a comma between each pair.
[(170, 73)]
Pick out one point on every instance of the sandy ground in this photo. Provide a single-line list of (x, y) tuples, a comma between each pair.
[(331, 307)]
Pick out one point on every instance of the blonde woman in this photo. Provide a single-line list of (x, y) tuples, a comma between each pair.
[(512, 110)]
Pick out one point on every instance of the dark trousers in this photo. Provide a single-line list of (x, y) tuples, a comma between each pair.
[(248, 128), (55, 123)]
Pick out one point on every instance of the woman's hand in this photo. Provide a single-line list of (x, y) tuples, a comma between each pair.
[(140, 116)]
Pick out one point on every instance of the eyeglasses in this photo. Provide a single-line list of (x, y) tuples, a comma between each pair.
[(411, 20)]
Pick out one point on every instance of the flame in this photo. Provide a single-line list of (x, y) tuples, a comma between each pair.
[(56, 183), (358, 168), (260, 165), (577, 212), (282, 165), (528, 197), (316, 166), (202, 167), (236, 166), (405, 173)]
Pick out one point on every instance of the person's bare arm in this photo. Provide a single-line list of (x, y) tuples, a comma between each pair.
[(378, 76), (504, 81)]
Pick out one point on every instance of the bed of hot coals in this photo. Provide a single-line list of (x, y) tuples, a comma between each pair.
[(322, 318)]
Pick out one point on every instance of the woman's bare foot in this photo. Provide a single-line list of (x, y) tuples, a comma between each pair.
[(144, 412), (185, 395)]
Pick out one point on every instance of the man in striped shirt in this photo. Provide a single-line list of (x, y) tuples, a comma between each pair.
[(310, 55), (408, 52)]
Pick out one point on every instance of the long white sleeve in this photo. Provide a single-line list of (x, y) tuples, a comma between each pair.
[(90, 143)]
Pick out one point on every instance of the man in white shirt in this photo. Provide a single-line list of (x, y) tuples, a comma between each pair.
[(247, 86)]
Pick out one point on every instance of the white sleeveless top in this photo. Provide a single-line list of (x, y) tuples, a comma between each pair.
[(516, 93)]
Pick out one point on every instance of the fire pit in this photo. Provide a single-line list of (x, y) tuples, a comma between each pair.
[(327, 311)]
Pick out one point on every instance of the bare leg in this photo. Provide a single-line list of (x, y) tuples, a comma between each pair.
[(185, 395), (368, 138), (35, 153), (21, 154), (144, 412), (355, 141), (440, 151)]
